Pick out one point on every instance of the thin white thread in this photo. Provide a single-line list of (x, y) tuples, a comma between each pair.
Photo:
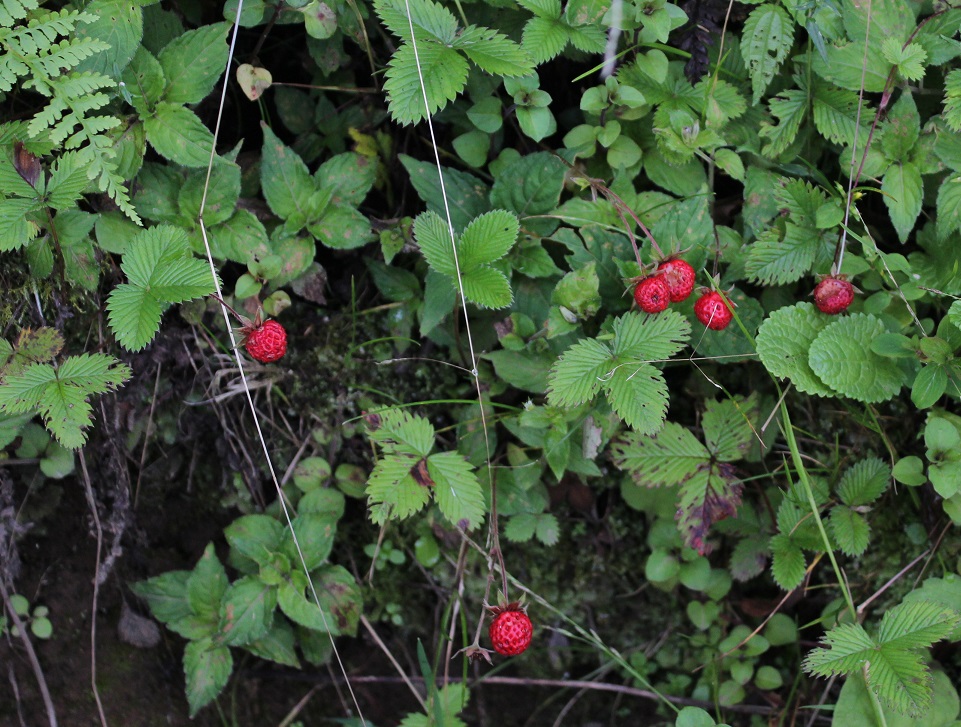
[(243, 374)]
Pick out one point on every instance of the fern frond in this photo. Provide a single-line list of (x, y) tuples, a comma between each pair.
[(13, 10)]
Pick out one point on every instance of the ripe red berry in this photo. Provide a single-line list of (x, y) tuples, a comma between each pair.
[(511, 631), (653, 294), (833, 294), (267, 343), (711, 310), (680, 278)]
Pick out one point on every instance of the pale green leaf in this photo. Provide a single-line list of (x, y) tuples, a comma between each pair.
[(542, 8), (487, 288), (544, 38), (456, 489), (487, 238), (577, 375), (399, 431), (493, 52), (194, 62), (842, 358), (638, 395), (434, 239), (910, 59), (650, 338), (783, 343), (444, 73)]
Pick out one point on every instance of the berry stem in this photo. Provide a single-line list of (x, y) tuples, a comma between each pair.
[(242, 319)]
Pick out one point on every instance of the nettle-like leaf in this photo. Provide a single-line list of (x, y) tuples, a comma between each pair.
[(61, 394), (487, 239), (864, 482), (32, 346), (903, 191), (438, 68), (952, 99), (895, 671), (708, 487), (765, 41), (783, 343), (405, 477), (841, 356), (161, 270), (207, 669), (635, 389)]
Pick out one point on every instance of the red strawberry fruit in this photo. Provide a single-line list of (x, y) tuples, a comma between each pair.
[(511, 630), (267, 342), (680, 278), (833, 294), (711, 310), (653, 294)]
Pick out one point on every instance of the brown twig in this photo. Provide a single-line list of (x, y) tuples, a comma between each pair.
[(31, 656)]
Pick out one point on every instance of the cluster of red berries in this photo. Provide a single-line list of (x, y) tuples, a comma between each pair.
[(672, 282)]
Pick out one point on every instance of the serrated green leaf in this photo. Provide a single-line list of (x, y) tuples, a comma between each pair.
[(789, 107), (929, 385), (842, 358), (774, 261), (783, 344), (576, 376), (444, 73), (493, 52), (544, 38), (207, 669), (177, 134), (118, 23), (530, 185), (255, 536), (456, 489), (193, 63), (727, 427), (711, 495), (847, 647), (638, 395), (161, 270), (850, 530), (903, 191), (909, 58), (949, 206), (430, 20), (470, 192), (315, 537), (952, 99), (488, 288), (864, 482), (650, 338), (767, 37), (400, 431), (392, 491), (277, 644), (668, 458), (206, 585), (487, 238), (838, 112), (787, 562), (166, 595)]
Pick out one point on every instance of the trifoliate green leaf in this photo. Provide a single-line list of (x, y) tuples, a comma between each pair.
[(650, 338), (544, 38), (842, 358), (398, 431), (444, 73), (487, 238), (60, 395), (161, 270), (430, 20), (392, 491), (909, 59), (493, 52), (774, 261), (783, 342)]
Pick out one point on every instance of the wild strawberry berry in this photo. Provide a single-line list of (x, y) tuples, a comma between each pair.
[(267, 342), (653, 294), (711, 310), (680, 278), (833, 294), (511, 630)]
